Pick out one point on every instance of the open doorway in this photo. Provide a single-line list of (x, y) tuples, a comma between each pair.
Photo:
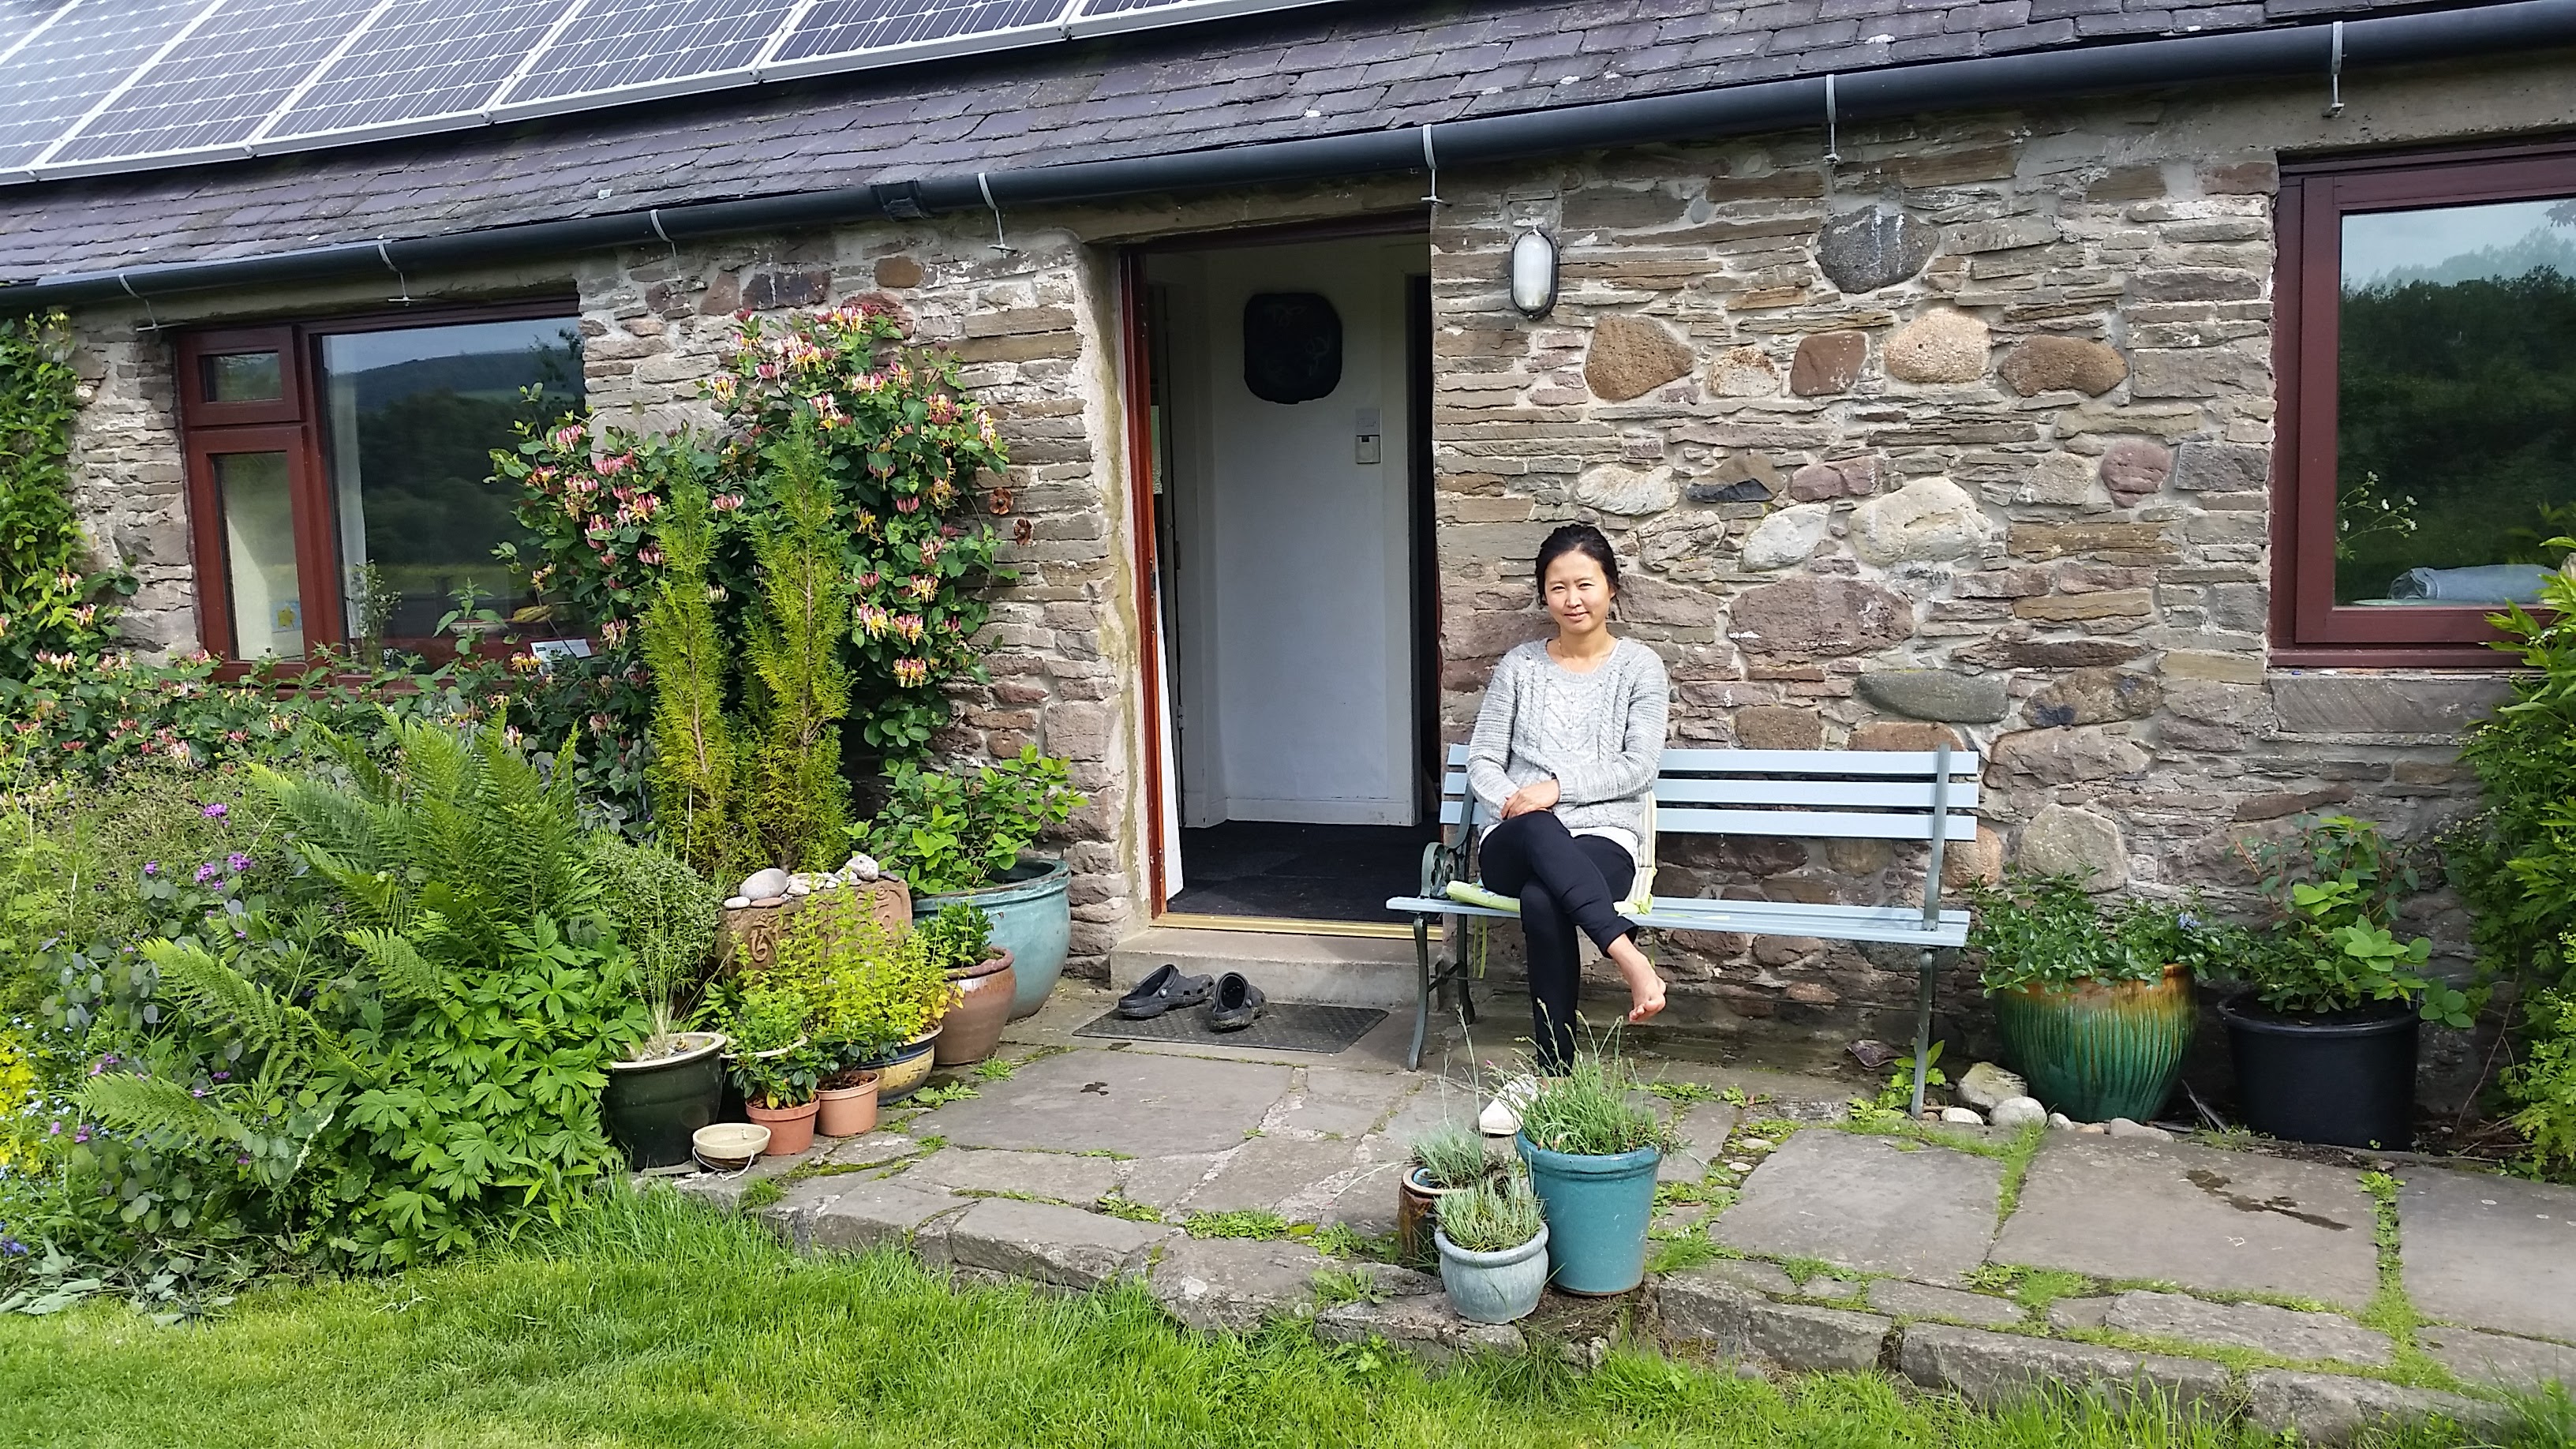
[(1292, 533)]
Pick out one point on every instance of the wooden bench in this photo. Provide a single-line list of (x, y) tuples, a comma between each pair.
[(1927, 796)]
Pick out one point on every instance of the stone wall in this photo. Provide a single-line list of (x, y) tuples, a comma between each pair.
[(1965, 434)]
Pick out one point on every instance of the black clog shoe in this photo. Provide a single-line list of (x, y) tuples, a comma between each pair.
[(1238, 1003), (1161, 991)]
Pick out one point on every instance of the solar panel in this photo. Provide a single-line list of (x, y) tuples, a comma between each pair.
[(1103, 17), (648, 47), (846, 34), (61, 74), (421, 63), (212, 89)]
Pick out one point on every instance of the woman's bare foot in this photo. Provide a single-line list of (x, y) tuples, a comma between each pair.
[(1645, 988)]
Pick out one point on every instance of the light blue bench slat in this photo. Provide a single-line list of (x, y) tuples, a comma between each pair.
[(1800, 824), (1896, 925), (1880, 794)]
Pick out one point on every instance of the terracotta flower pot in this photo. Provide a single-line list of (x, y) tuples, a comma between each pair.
[(2100, 1049), (973, 1027), (1417, 1211), (791, 1129), (847, 1111)]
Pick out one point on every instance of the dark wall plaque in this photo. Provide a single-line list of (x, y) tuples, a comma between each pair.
[(1292, 346)]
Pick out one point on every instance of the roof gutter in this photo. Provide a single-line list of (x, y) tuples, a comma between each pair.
[(2320, 51)]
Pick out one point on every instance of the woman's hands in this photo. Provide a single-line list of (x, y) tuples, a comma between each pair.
[(1536, 795)]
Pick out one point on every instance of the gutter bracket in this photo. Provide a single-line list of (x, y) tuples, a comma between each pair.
[(404, 283), (151, 321), (655, 216), (2334, 75), (1833, 145), (1001, 242), (1431, 163), (900, 200)]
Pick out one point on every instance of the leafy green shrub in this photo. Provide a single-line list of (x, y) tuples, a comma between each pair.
[(2333, 947), (51, 602), (2049, 932), (663, 912), (2515, 861), (1597, 1109), (955, 832), (1496, 1214), (959, 936)]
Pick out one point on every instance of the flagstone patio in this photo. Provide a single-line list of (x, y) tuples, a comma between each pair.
[(1240, 1185)]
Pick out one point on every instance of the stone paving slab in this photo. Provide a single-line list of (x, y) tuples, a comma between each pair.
[(1233, 1284), (2332, 1409), (2177, 1212), (1141, 1104), (1420, 1322), (1062, 1176), (854, 1213), (2308, 1337), (1917, 1300), (1342, 1102), (1864, 1202), (2490, 1252), (1995, 1368), (876, 1149), (2492, 1358), (1294, 1177), (1164, 1183), (1436, 1102), (1708, 1309), (1044, 1243)]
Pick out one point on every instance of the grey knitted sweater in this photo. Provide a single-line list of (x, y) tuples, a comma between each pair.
[(1600, 734)]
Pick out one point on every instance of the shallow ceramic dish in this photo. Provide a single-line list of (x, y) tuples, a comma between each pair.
[(729, 1146)]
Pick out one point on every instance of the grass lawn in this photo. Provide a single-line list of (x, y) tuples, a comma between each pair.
[(659, 1323)]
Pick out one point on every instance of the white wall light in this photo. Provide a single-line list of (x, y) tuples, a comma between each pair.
[(1533, 273)]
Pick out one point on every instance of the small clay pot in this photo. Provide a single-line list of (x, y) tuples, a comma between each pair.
[(791, 1129), (847, 1111), (973, 1027), (1417, 1213)]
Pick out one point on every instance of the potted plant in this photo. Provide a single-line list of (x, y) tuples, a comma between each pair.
[(672, 1083), (1493, 1242), (959, 940), (2324, 1035), (845, 1101), (775, 1065), (1593, 1142), (875, 999), (2096, 1013), (1446, 1160), (961, 837)]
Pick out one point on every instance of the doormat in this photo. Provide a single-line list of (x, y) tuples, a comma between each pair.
[(1284, 1026)]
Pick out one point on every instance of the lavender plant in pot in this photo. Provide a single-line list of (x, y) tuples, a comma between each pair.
[(1446, 1160), (1493, 1249)]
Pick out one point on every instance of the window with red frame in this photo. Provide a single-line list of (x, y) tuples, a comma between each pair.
[(339, 472), (2427, 436)]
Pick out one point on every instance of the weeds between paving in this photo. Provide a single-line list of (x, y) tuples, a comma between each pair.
[(659, 1322)]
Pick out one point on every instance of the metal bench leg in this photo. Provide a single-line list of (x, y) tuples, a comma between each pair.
[(1422, 1000), (1922, 1030)]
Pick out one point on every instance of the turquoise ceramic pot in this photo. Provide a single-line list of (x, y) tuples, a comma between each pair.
[(1499, 1287), (1031, 916), (1597, 1210)]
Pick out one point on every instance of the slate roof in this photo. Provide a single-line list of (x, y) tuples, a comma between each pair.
[(1332, 69)]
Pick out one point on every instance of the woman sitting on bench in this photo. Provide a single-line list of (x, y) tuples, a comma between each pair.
[(1563, 760)]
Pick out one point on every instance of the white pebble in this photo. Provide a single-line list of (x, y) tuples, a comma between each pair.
[(1961, 1117)]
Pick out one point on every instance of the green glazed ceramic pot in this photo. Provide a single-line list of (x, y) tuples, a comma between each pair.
[(2100, 1049)]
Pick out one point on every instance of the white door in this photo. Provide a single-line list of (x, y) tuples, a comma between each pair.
[(1297, 650)]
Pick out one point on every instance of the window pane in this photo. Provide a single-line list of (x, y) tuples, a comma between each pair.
[(234, 377), (259, 554), (413, 418), (2456, 436)]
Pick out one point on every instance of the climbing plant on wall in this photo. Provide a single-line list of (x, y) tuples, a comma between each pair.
[(52, 601)]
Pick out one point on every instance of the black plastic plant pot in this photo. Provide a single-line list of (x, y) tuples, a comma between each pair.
[(652, 1109), (2343, 1078)]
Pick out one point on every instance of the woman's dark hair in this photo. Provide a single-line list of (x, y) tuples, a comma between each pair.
[(1580, 538)]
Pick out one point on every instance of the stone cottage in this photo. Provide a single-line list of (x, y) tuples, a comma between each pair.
[(2037, 373)]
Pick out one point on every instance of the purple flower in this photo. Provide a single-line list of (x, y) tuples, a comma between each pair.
[(238, 862), (196, 1091), (206, 873), (217, 811), (80, 1133), (242, 1160), (151, 868), (12, 1248), (223, 1076)]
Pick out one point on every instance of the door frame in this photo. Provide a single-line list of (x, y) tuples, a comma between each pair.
[(1135, 378)]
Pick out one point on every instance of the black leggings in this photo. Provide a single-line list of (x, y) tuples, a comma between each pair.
[(1564, 881)]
